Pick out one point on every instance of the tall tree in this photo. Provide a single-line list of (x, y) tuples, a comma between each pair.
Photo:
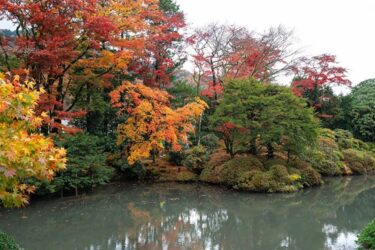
[(164, 48), (229, 52), (313, 76), (264, 116)]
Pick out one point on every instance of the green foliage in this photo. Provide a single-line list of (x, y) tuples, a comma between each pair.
[(247, 172), (169, 6), (183, 93), (362, 112), (7, 243), (366, 239), (358, 161), (86, 167), (210, 141), (176, 158), (234, 169), (196, 158), (101, 118), (269, 114), (338, 153)]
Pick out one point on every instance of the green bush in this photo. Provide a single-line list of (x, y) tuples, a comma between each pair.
[(232, 171), (7, 243), (280, 172), (86, 167), (196, 158), (209, 175), (338, 153), (176, 158), (366, 239), (210, 141), (354, 160)]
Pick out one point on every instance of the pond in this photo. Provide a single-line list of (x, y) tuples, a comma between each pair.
[(192, 216)]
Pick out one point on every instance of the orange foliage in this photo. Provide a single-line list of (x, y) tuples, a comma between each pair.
[(152, 125)]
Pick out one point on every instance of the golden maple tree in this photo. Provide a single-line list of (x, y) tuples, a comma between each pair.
[(152, 125)]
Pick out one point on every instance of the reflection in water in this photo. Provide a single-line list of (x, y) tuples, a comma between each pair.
[(189, 216)]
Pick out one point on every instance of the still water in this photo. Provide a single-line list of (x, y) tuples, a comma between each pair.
[(191, 216)]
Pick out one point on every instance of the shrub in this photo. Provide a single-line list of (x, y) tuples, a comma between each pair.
[(355, 161), (339, 153), (196, 158), (176, 158), (280, 172), (7, 243), (234, 169), (85, 169), (209, 175), (210, 141), (118, 160), (310, 177), (366, 239)]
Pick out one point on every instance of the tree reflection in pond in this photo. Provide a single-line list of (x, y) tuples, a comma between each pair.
[(190, 216)]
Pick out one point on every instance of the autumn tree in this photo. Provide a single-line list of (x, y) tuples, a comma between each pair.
[(71, 47), (315, 75), (164, 47), (24, 153), (230, 52), (151, 124)]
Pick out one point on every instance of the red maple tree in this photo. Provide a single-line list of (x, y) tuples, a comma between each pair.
[(313, 74)]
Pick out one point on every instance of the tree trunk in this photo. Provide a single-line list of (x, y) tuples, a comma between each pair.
[(153, 154), (253, 147), (199, 129), (270, 153), (59, 99)]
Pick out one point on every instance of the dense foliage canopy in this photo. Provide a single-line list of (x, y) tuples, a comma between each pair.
[(264, 115), (362, 110)]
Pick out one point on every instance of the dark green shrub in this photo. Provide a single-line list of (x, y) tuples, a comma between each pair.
[(86, 167), (7, 243), (176, 158), (366, 239)]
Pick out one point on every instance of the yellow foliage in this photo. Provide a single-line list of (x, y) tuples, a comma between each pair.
[(23, 153), (294, 177)]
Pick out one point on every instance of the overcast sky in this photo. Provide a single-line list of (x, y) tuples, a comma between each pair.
[(345, 28)]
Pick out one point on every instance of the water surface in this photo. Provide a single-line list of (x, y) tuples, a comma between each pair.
[(191, 216)]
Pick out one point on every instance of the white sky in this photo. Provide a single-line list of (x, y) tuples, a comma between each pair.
[(345, 28)]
